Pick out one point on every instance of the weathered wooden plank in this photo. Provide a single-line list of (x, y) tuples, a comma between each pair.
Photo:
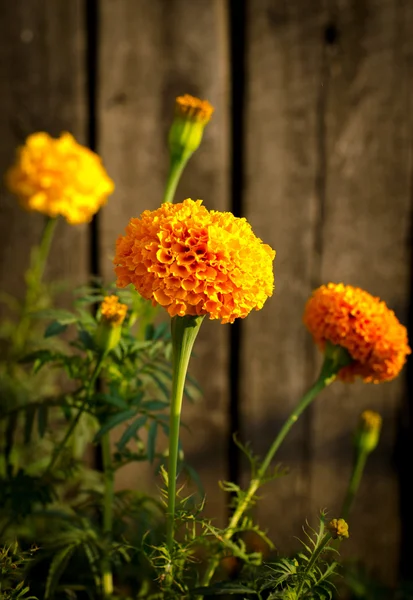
[(284, 64), (150, 53), (365, 242), (42, 75)]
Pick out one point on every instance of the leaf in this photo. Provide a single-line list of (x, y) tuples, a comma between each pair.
[(42, 417), (61, 316), (54, 328), (131, 431), (28, 423), (154, 404), (87, 340), (161, 385), (222, 589), (113, 422), (110, 399), (57, 568), (153, 430)]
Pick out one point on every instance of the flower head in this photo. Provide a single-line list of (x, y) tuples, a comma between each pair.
[(195, 262), (363, 325), (368, 431), (185, 135), (112, 315), (338, 529), (193, 108), (113, 311), (59, 177)]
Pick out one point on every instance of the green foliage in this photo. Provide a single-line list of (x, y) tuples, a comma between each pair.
[(12, 567)]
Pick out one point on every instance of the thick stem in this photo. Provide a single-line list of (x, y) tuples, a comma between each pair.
[(184, 331), (34, 278), (108, 498), (335, 358), (354, 483), (79, 413), (175, 171)]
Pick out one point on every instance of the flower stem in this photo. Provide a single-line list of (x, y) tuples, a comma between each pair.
[(354, 483), (79, 413), (34, 276), (310, 564), (184, 331), (335, 359), (176, 168), (108, 498)]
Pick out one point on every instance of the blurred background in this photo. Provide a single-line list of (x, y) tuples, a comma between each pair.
[(311, 140)]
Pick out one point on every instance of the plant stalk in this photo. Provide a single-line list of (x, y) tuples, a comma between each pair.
[(108, 499), (335, 359), (34, 276), (354, 483), (176, 168), (79, 413), (184, 331)]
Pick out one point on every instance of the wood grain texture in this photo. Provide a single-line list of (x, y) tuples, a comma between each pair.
[(150, 53), (42, 81), (365, 242), (284, 64)]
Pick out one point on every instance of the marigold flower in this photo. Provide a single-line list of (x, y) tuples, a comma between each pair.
[(113, 311), (193, 108), (112, 315), (338, 529), (59, 177), (195, 262), (368, 431), (362, 324)]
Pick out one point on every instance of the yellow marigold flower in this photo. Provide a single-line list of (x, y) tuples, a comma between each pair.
[(59, 177), (112, 315), (195, 262), (338, 529), (368, 431), (362, 324), (113, 311)]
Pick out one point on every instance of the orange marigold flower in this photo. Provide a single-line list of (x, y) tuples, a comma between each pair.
[(362, 324), (193, 108), (59, 177), (195, 262), (113, 311)]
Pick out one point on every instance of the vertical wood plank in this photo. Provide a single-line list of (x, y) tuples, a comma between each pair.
[(42, 81), (150, 53), (284, 64), (368, 140)]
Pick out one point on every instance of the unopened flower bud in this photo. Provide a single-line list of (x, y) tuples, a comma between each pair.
[(368, 431), (112, 315), (338, 529), (191, 116)]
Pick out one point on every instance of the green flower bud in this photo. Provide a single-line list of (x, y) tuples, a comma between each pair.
[(185, 135), (368, 431), (108, 332)]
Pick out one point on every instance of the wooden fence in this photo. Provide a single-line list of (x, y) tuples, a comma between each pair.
[(311, 140)]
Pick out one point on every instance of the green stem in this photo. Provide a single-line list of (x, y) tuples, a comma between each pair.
[(34, 278), (335, 358), (175, 171), (184, 331), (108, 498), (354, 483), (314, 558), (79, 413)]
